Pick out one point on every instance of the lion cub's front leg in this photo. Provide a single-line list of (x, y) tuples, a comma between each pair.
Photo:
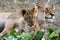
[(8, 26)]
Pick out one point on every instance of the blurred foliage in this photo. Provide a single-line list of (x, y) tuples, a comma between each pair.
[(1, 1), (13, 35), (53, 34)]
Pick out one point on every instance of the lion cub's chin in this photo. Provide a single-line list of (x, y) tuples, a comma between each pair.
[(51, 20)]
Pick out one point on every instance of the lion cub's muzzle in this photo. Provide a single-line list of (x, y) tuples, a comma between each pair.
[(50, 17)]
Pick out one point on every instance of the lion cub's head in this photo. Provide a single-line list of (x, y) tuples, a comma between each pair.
[(29, 15), (49, 11)]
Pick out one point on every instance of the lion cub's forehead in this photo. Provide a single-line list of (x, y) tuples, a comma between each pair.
[(41, 5), (51, 7)]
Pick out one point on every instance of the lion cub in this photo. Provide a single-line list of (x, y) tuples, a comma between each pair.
[(28, 15)]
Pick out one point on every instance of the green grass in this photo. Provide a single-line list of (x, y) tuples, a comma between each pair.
[(13, 35)]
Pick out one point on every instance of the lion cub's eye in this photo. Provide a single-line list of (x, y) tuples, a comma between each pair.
[(47, 9)]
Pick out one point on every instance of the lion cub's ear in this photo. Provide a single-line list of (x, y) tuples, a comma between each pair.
[(24, 11)]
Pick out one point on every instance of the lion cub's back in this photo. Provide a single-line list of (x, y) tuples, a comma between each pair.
[(4, 14), (14, 16)]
